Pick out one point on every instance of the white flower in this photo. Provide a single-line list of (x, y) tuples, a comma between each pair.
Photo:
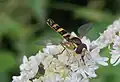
[(115, 58), (53, 49), (116, 25), (76, 77), (100, 60), (52, 78), (21, 78), (47, 61), (17, 79), (30, 67), (108, 35), (94, 50), (65, 65), (59, 67), (40, 57), (37, 80), (116, 42), (106, 38)]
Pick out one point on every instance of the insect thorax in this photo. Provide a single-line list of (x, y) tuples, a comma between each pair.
[(75, 40), (77, 44), (70, 45)]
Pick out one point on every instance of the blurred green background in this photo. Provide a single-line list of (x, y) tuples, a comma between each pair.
[(23, 29)]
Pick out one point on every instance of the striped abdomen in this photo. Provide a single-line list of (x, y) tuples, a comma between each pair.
[(58, 29), (78, 45)]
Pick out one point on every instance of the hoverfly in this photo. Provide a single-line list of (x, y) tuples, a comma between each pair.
[(74, 42)]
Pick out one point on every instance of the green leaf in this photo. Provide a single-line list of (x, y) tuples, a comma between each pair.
[(39, 8), (7, 61), (11, 27), (4, 77), (92, 14)]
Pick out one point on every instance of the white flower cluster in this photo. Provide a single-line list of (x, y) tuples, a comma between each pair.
[(56, 64), (111, 38)]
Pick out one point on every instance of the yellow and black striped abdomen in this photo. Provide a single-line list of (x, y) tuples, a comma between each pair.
[(58, 29), (74, 42)]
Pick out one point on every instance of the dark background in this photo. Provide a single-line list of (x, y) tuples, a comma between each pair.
[(23, 29)]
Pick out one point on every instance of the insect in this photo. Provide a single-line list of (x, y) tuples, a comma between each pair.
[(74, 43)]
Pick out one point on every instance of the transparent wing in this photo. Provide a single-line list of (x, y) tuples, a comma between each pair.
[(83, 30), (46, 41)]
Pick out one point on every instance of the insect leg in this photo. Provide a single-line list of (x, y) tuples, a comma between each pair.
[(83, 55), (62, 50), (63, 45), (56, 55)]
